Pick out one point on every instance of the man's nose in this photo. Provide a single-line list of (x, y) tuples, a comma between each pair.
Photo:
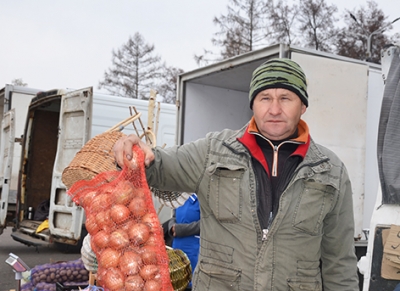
[(275, 107)]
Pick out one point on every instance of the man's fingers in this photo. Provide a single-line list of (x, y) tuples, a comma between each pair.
[(123, 149), (148, 153)]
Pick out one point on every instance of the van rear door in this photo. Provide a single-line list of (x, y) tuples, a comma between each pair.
[(65, 217), (6, 160)]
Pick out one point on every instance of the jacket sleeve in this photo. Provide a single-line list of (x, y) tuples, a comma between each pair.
[(178, 168), (184, 229), (339, 261), (187, 229), (171, 222)]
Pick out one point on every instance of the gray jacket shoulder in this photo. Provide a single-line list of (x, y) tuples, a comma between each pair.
[(333, 157)]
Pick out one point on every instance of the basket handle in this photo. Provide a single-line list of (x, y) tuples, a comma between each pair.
[(120, 125)]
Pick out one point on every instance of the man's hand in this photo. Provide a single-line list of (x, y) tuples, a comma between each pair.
[(123, 150), (173, 230)]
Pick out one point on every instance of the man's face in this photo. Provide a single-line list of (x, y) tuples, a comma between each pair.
[(277, 113)]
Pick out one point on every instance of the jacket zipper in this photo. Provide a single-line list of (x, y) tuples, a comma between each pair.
[(271, 216), (266, 230), (275, 162), (275, 148)]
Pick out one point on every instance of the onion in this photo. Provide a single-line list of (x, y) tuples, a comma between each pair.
[(103, 218), (148, 272), (139, 233), (149, 254), (152, 285), (130, 263), (151, 219), (134, 283), (140, 192), (119, 213), (123, 193), (138, 207), (86, 199), (113, 279), (101, 239), (109, 258), (119, 239), (154, 241), (91, 225), (100, 276), (126, 225), (109, 228), (100, 203)]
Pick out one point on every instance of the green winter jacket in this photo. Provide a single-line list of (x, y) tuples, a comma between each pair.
[(309, 245)]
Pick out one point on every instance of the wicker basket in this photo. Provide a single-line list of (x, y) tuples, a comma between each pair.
[(95, 157), (180, 270)]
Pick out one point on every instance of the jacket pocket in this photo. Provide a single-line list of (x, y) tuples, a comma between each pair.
[(216, 251), (304, 285), (308, 269), (225, 196), (211, 276), (314, 203)]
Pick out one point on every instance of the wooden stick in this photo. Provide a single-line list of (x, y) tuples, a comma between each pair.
[(140, 121), (150, 116), (133, 123), (151, 138), (157, 118)]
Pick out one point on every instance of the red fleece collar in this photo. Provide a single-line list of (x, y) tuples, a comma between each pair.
[(249, 141)]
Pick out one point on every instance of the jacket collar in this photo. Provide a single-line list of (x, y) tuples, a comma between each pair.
[(302, 128), (308, 149), (249, 141)]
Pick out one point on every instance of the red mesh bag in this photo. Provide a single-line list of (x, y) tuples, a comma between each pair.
[(126, 235)]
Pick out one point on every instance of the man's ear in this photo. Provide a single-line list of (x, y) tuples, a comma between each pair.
[(303, 108)]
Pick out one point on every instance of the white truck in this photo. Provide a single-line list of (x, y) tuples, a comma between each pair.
[(380, 271), (345, 97), (58, 123), (14, 103)]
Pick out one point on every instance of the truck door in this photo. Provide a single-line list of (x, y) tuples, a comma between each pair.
[(65, 217), (6, 156)]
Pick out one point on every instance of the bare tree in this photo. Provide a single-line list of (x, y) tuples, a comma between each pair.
[(360, 24), (18, 82), (168, 85), (241, 30), (283, 20), (134, 69), (317, 24)]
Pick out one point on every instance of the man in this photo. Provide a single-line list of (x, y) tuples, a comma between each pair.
[(276, 208)]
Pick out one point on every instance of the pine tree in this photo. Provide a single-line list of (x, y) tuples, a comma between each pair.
[(134, 69)]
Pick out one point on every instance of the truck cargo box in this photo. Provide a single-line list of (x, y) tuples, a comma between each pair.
[(344, 104), (58, 124)]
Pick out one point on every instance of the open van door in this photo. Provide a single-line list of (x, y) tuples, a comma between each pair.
[(65, 217), (6, 156)]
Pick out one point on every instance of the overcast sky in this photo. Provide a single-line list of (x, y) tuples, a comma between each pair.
[(68, 44)]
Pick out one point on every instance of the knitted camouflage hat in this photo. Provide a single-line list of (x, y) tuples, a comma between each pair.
[(279, 73)]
